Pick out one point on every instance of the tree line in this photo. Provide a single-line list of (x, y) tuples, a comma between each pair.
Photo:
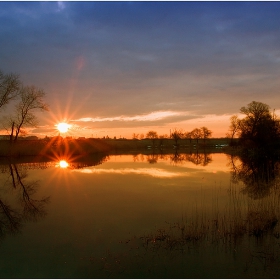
[(178, 134), (26, 101)]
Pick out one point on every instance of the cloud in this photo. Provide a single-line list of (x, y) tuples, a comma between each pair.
[(158, 118), (154, 116)]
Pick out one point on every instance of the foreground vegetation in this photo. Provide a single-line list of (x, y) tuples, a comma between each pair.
[(242, 234)]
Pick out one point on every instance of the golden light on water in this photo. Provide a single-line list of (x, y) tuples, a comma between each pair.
[(63, 127)]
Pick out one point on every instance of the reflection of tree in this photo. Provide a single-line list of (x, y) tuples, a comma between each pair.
[(259, 174), (199, 158), (196, 158), (25, 208), (153, 158), (177, 158), (10, 220)]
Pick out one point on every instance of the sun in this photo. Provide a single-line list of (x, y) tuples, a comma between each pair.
[(63, 164), (63, 127)]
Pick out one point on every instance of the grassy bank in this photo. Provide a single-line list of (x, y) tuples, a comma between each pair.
[(59, 146), (53, 148)]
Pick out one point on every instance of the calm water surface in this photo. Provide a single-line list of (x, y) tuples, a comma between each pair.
[(135, 216)]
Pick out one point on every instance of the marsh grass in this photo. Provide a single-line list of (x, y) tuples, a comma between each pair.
[(52, 147), (226, 223)]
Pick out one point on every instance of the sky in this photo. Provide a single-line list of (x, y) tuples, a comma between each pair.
[(118, 68)]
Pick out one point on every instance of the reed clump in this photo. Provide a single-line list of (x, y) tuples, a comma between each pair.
[(241, 217)]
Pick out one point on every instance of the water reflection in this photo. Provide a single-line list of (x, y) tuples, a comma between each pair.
[(148, 215), (17, 200), (176, 158), (245, 234), (259, 174), (199, 158), (241, 229), (78, 162), (153, 158), (153, 172)]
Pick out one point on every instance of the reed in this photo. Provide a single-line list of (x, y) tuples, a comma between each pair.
[(241, 217)]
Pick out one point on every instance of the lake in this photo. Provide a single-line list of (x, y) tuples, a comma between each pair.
[(140, 216)]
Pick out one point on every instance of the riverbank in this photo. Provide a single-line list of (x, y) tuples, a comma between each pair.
[(53, 147), (82, 147)]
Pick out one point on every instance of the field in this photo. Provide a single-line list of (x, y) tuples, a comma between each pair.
[(91, 145)]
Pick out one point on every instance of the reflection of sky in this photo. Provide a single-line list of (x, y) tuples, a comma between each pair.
[(218, 163), (154, 172), (117, 68), (164, 168)]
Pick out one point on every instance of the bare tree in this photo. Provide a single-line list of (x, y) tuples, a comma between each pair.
[(31, 99), (205, 133), (196, 133), (9, 88), (234, 127), (189, 136), (135, 136), (152, 135), (177, 134), (161, 139)]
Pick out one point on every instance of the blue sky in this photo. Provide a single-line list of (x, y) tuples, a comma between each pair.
[(117, 68)]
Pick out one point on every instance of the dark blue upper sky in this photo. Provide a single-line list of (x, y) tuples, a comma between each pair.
[(112, 62)]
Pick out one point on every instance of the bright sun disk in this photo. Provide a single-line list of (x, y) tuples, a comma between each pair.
[(63, 164), (63, 127)]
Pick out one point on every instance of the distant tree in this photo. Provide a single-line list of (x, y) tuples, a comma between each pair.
[(9, 88), (152, 135), (197, 134), (31, 99), (259, 128), (176, 135), (135, 136), (205, 133), (189, 136), (161, 139)]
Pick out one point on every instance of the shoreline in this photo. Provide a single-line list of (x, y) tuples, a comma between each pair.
[(82, 147)]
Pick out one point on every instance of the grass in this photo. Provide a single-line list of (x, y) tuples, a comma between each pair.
[(52, 147), (241, 217), (242, 233)]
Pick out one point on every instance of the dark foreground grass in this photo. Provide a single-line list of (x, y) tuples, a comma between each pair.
[(53, 148)]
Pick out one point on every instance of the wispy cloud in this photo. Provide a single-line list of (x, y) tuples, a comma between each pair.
[(153, 116)]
